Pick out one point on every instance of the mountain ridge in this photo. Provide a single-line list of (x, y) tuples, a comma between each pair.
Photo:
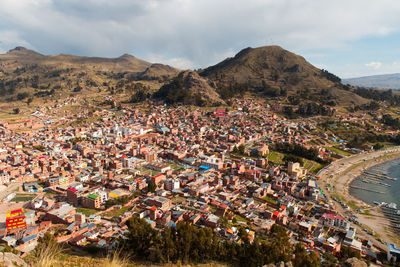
[(268, 71), (273, 71), (26, 56), (381, 81)]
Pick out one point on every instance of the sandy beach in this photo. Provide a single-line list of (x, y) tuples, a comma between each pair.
[(340, 174)]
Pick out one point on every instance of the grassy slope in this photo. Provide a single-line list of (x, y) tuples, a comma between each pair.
[(67, 260), (274, 67), (63, 72)]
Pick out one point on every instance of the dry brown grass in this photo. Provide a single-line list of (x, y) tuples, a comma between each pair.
[(53, 255), (46, 255), (116, 259)]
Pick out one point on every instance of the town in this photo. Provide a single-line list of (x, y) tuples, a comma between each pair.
[(209, 167)]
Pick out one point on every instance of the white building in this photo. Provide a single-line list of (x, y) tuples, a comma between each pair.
[(102, 193), (171, 184)]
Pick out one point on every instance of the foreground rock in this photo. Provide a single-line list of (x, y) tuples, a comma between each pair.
[(354, 262), (11, 260)]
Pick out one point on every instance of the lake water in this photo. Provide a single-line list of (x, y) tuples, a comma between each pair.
[(385, 193)]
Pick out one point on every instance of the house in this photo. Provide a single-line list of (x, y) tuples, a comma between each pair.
[(64, 213), (350, 240), (304, 226), (332, 245), (330, 219), (296, 170), (92, 201), (78, 240), (261, 151), (27, 243), (162, 203), (33, 187), (212, 221)]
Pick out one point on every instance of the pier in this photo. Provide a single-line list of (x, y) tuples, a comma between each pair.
[(379, 175), (369, 181), (366, 189)]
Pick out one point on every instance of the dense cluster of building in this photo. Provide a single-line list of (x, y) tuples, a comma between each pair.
[(164, 165)]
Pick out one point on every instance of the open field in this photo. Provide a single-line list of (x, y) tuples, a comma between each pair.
[(86, 211), (339, 151), (23, 197), (115, 213), (275, 157)]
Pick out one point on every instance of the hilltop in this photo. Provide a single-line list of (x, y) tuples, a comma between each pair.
[(273, 71), (27, 74), (21, 56), (190, 89), (385, 81), (270, 72)]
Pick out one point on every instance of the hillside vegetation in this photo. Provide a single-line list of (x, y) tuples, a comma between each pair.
[(269, 72), (272, 72), (25, 73)]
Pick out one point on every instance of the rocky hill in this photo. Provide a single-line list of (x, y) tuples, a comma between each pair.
[(385, 81), (20, 57), (273, 71), (191, 89), (270, 72), (158, 72)]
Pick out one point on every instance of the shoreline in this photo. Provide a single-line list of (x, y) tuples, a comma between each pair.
[(360, 176), (395, 156), (341, 173)]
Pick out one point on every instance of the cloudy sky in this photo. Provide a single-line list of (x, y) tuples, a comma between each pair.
[(348, 37)]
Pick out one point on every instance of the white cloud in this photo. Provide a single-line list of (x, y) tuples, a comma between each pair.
[(374, 65), (192, 32), (11, 39), (180, 63)]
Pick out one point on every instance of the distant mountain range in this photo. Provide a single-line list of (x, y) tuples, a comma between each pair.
[(25, 73), (385, 81), (268, 71)]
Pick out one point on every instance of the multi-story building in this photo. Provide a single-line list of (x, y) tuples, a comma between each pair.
[(330, 219), (162, 203), (171, 184), (92, 201), (73, 195), (102, 193)]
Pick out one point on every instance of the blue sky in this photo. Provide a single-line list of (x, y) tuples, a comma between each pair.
[(347, 37), (366, 56)]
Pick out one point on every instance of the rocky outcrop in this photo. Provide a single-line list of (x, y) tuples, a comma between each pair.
[(354, 262), (190, 88), (11, 260)]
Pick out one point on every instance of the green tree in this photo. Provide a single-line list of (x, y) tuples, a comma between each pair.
[(168, 244), (241, 149), (142, 238), (151, 187), (235, 150), (302, 258)]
